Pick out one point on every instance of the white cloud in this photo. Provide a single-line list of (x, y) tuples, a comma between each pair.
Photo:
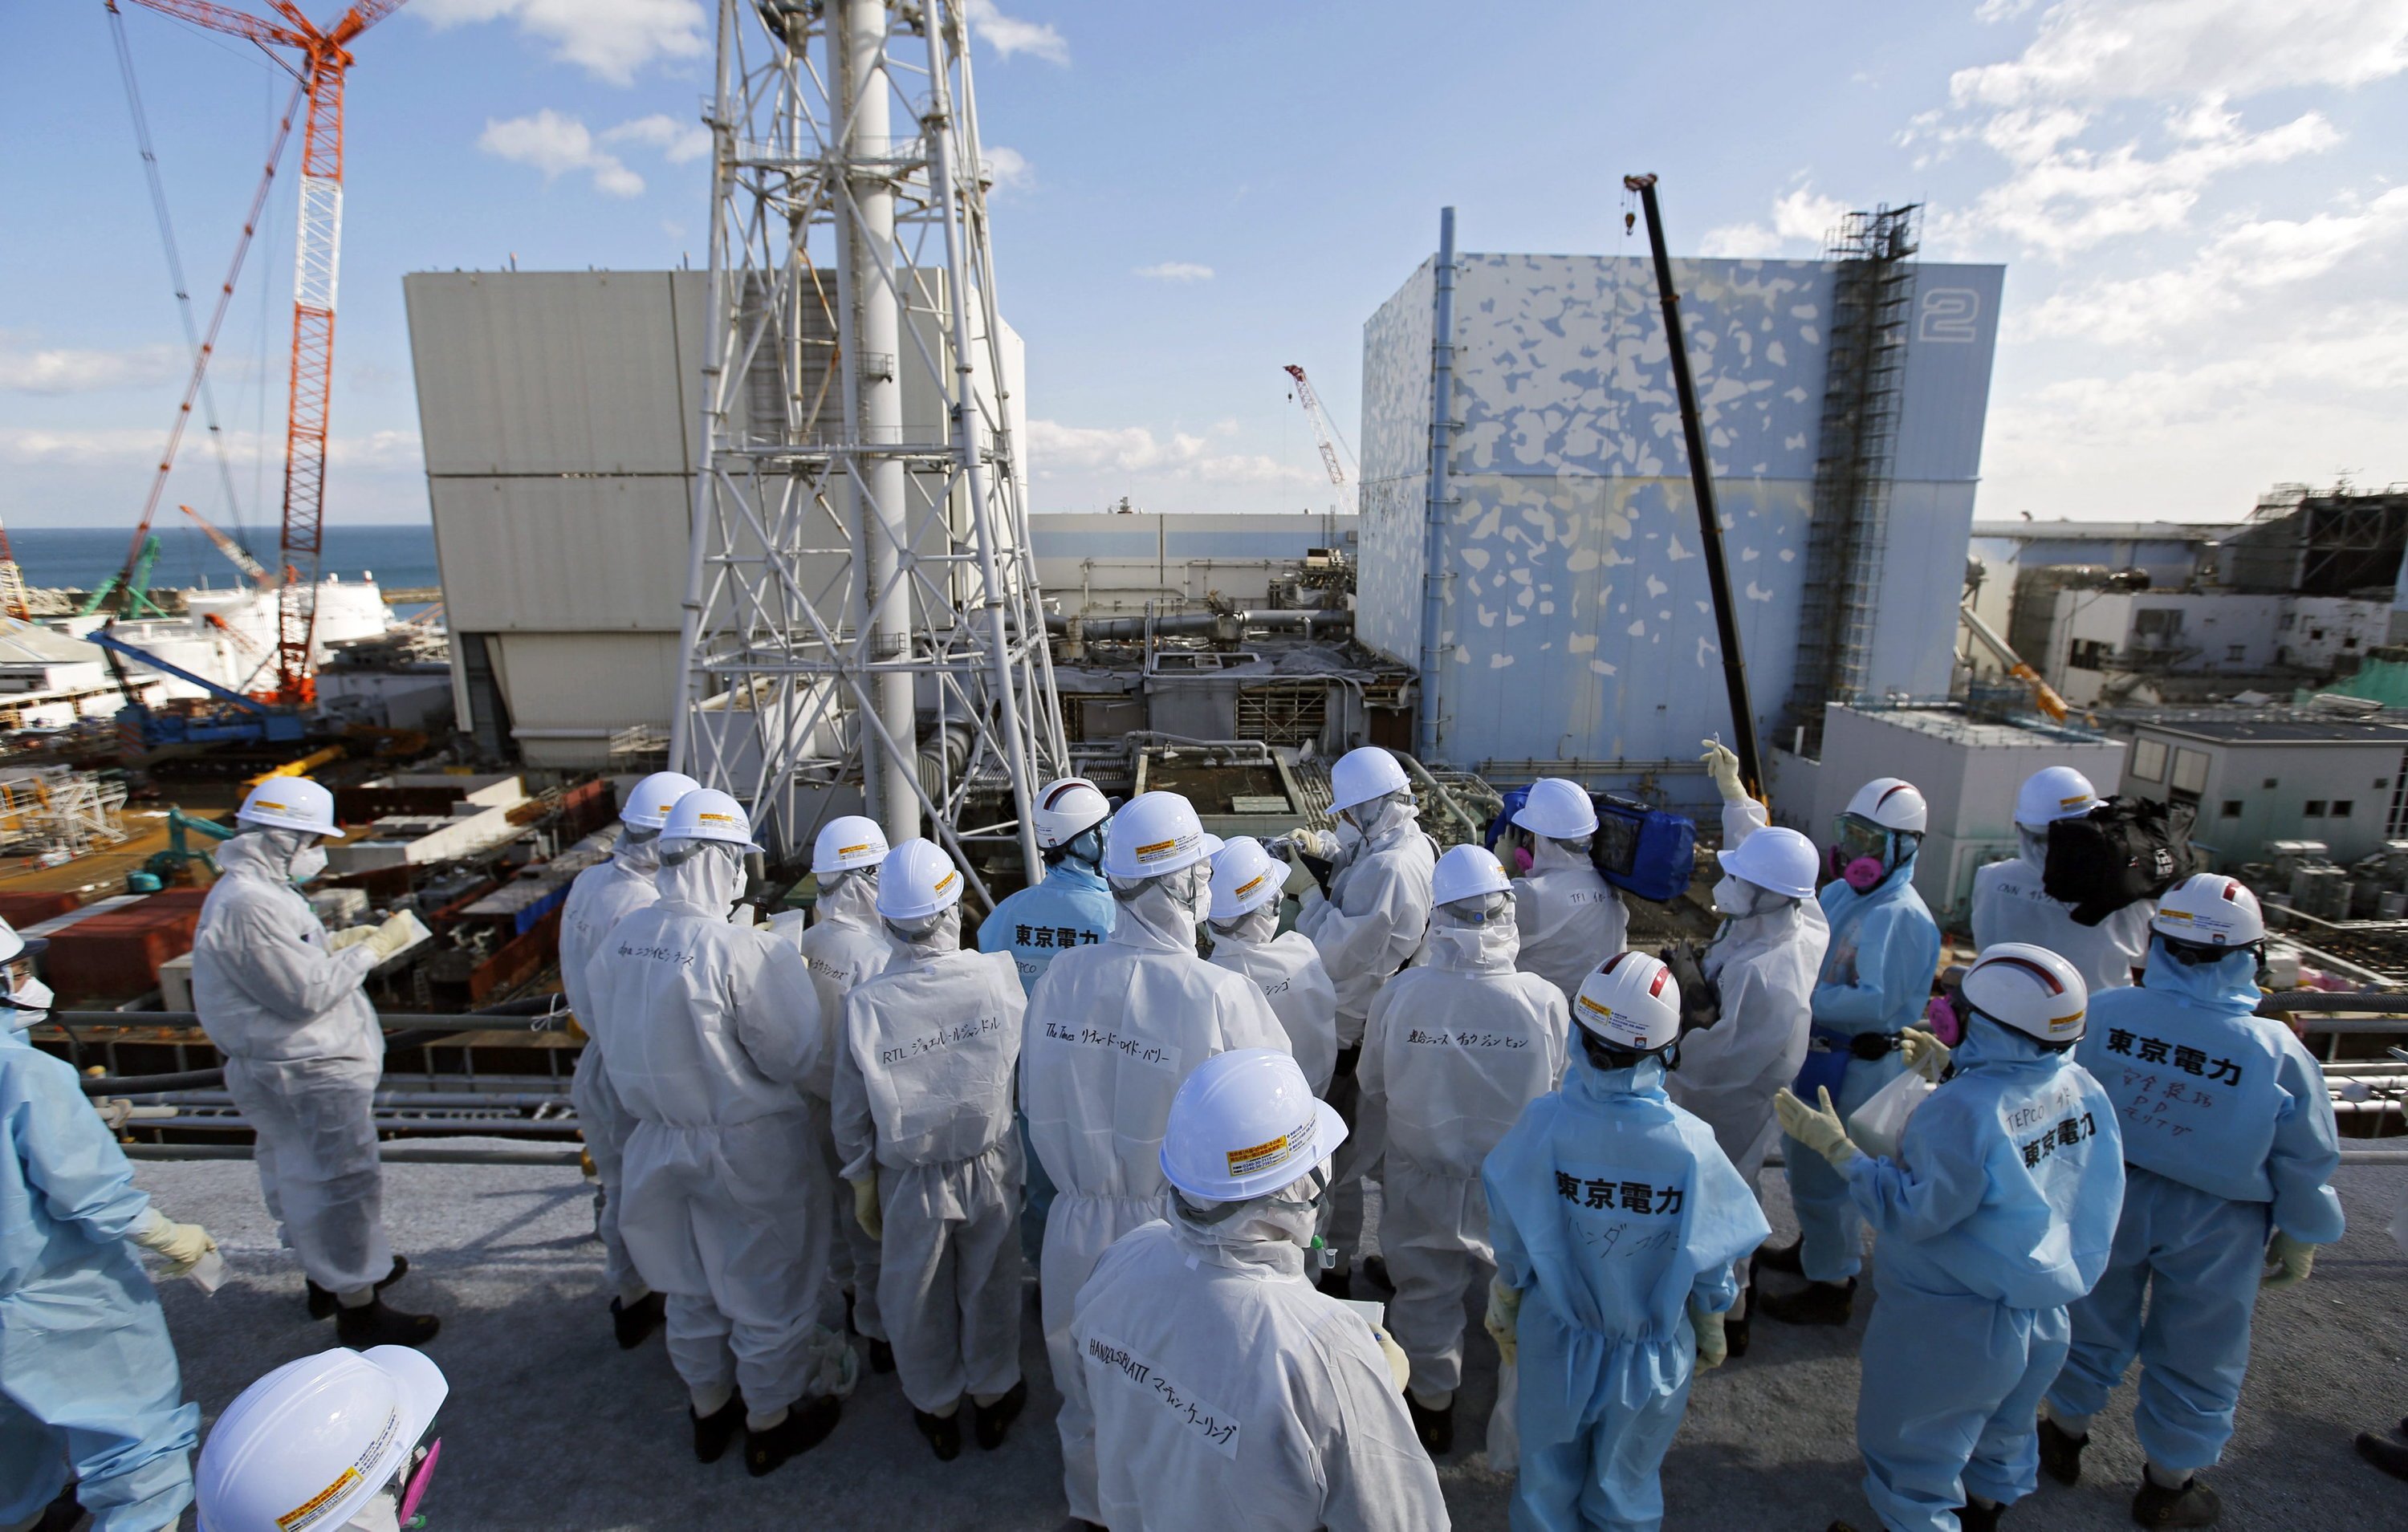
[(2002, 10), (1177, 271), (1008, 169), (556, 145), (1799, 217), (609, 39), (1136, 450), (39, 369), (2100, 51), (679, 143), (1009, 35)]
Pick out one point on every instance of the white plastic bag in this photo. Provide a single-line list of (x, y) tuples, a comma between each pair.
[(1504, 1429), (1879, 1124)]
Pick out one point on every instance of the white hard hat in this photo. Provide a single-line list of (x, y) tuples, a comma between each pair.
[(1891, 802), (1245, 1124), (14, 946), (1630, 1001), (917, 879), (1467, 872), (2053, 793), (707, 815), (1781, 860), (305, 1447), (2030, 989), (290, 803), (1067, 810), (1362, 774), (1245, 878), (1558, 809), (649, 804), (2212, 911), (846, 842), (1155, 833)]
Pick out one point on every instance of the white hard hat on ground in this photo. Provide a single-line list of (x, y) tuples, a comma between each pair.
[(2212, 911), (649, 801), (2052, 793), (304, 1448), (1153, 834), (707, 815), (290, 803), (917, 879), (1631, 1002), (1777, 859), (1245, 878), (1558, 809), (1362, 774), (2030, 989), (1245, 1124), (1067, 809), (1467, 872), (1891, 802), (846, 842)]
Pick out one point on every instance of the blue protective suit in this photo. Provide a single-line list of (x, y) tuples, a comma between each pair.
[(1614, 1211), (1998, 1211), (1876, 978), (1072, 907), (2228, 1131), (88, 1377)]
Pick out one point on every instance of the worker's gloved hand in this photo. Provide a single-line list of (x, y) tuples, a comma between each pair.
[(1722, 767), (1713, 1349), (1312, 842), (182, 1244), (864, 1206), (1504, 1314), (1400, 1368), (115, 1113), (1818, 1128), (399, 931), (2287, 1261), (349, 936), (1923, 1052)]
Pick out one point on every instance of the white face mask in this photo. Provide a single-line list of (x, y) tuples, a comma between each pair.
[(307, 863), (29, 1001), (1736, 898)]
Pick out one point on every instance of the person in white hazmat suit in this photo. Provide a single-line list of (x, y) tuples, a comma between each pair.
[(304, 1053), (1570, 919), (711, 1032), (2010, 904), (601, 894), (845, 945), (924, 1119), (1111, 1031), (1759, 975), (1455, 1048), (1285, 966), (1366, 900), (1225, 1393)]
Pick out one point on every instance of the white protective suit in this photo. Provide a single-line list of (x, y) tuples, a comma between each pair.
[(1287, 969), (1570, 918), (303, 1057), (845, 945), (1456, 1048), (601, 895), (2010, 905), (1113, 1029), (711, 1032), (1225, 1394), (923, 1101)]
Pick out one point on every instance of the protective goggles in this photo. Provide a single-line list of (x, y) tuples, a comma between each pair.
[(1221, 1212), (1861, 838)]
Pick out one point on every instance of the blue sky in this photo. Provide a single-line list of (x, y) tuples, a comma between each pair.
[(2200, 203)]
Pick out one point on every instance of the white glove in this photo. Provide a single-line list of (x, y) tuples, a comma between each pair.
[(1400, 1368), (1818, 1129), (182, 1244), (1722, 767), (1320, 843), (865, 1211), (349, 936), (1713, 1349), (1503, 1318), (1918, 1046), (399, 931)]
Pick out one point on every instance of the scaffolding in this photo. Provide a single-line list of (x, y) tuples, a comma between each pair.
[(862, 606), (54, 813), (1872, 300)]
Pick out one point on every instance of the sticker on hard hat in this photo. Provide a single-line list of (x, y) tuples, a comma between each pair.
[(852, 850), (943, 883), (1605, 1013), (2057, 1024), (665, 809), (278, 807), (1250, 885), (1160, 848), (2076, 799), (325, 1500), (1270, 1153), (715, 819)]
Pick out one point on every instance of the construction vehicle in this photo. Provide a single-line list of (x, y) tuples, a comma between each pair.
[(2044, 696), (134, 581), (173, 865), (144, 728)]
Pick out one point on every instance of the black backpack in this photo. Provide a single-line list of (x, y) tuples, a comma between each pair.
[(2124, 851)]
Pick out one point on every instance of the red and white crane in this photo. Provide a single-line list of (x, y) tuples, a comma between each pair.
[(1323, 432)]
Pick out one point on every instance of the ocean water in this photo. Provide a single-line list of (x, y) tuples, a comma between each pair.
[(80, 557)]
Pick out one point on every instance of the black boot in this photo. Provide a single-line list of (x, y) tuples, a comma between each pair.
[(1973, 1518), (2060, 1452), (2391, 1457), (1735, 1332), (633, 1321), (1782, 1257), (881, 1355), (322, 1300), (714, 1431), (989, 1421), (2193, 1505), (374, 1325), (805, 1425), (1375, 1271), (1819, 1303), (944, 1432), (64, 1514), (1435, 1427)]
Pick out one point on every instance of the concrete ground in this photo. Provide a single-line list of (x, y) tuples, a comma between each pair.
[(550, 1425)]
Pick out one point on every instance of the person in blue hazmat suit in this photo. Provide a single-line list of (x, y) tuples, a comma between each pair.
[(88, 1385), (1997, 1212), (2230, 1150), (1875, 982), (1616, 1219)]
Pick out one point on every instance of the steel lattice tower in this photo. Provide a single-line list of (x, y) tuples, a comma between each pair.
[(861, 601)]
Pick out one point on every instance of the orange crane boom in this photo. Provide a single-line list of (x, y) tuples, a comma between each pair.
[(1321, 432), (236, 554)]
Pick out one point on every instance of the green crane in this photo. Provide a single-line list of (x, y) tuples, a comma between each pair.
[(137, 602)]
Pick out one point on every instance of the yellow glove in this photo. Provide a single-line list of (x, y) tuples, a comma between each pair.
[(1819, 1130), (864, 1206), (1320, 843), (1915, 1046), (1712, 1349), (1504, 1314), (182, 1244), (399, 931), (1722, 767), (2287, 1261), (349, 936), (1399, 1369)]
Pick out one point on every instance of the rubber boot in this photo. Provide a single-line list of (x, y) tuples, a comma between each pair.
[(805, 1425), (2391, 1457), (1973, 1518), (2060, 1452), (64, 1514), (1782, 1257), (989, 1421), (944, 1432), (633, 1321), (714, 1431), (374, 1325), (1435, 1427), (1735, 1326), (881, 1355), (1819, 1303), (2193, 1505), (322, 1300), (1375, 1271)]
